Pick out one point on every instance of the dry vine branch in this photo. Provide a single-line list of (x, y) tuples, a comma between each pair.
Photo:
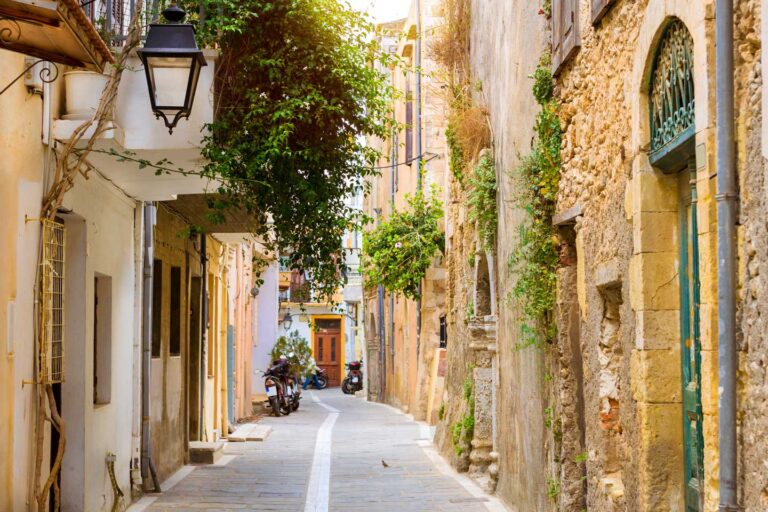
[(67, 169)]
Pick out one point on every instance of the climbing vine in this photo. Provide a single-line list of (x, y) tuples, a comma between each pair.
[(535, 259), (397, 253), (463, 430), (481, 200)]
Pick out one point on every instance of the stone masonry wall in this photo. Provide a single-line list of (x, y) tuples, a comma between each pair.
[(626, 244)]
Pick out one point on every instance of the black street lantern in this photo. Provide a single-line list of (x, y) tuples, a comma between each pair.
[(172, 62), (287, 320)]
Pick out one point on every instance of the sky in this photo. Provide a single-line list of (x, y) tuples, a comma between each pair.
[(383, 10)]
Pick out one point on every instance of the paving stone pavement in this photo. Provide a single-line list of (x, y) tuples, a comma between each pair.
[(274, 474)]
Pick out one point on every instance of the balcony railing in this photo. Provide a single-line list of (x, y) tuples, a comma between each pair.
[(112, 18)]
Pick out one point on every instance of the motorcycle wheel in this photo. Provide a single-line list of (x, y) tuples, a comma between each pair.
[(274, 403), (346, 388), (323, 383), (295, 405), (285, 406)]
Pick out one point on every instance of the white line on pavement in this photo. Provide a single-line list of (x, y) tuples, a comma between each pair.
[(320, 478)]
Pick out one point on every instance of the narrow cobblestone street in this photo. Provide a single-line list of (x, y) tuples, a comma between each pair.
[(290, 470)]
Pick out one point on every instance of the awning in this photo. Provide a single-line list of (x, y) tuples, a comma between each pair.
[(58, 31), (237, 225)]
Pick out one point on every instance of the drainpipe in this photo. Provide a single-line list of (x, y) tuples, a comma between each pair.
[(147, 466), (726, 255), (419, 184), (204, 324)]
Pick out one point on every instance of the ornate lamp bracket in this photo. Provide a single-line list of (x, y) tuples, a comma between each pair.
[(10, 33), (46, 74)]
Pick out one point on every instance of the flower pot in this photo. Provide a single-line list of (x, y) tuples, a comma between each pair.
[(83, 90)]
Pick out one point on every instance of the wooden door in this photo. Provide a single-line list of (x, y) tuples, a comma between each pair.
[(691, 342), (327, 348)]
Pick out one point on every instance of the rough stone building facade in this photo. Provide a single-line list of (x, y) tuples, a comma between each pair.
[(620, 412)]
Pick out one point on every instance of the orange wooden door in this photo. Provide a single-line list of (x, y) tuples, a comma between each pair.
[(327, 349)]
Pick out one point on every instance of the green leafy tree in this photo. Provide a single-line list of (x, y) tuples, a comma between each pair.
[(295, 95), (398, 252), (296, 348)]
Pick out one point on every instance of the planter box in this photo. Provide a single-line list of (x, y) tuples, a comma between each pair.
[(83, 90)]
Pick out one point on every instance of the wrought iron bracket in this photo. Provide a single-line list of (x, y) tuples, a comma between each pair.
[(46, 74)]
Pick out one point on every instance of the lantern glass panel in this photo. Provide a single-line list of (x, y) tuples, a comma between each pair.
[(170, 80)]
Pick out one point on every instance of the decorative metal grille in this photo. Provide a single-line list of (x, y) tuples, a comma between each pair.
[(52, 303), (672, 96)]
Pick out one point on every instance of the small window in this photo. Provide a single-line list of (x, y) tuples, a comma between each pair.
[(174, 342), (443, 332), (333, 349), (102, 339), (408, 121), (157, 307)]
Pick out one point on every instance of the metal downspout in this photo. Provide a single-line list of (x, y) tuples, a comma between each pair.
[(419, 184), (204, 338), (147, 466), (726, 254)]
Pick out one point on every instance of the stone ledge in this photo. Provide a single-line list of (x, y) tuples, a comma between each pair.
[(205, 453)]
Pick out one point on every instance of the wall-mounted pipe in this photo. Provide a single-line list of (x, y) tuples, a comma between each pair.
[(202, 434), (419, 177), (726, 254), (147, 466)]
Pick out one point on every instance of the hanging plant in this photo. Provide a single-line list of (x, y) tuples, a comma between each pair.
[(398, 252), (535, 259), (481, 200)]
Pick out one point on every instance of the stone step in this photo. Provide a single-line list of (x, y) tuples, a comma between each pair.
[(250, 432), (205, 453), (259, 433)]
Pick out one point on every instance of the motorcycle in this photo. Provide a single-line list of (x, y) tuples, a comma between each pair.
[(354, 380), (283, 388), (322, 379)]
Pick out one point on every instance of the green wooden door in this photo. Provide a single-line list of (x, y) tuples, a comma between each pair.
[(691, 342)]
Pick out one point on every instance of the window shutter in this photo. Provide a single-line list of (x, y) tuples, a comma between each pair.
[(565, 31), (599, 8)]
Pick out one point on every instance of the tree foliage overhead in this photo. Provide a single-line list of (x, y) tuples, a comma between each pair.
[(295, 95)]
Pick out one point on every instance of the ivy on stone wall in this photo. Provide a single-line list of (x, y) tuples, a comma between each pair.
[(463, 430), (398, 252), (535, 259), (481, 200)]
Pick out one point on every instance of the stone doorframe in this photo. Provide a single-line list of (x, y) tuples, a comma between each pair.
[(652, 208)]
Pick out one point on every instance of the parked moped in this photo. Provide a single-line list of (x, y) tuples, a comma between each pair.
[(354, 380)]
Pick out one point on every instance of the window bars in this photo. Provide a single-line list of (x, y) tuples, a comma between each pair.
[(52, 303)]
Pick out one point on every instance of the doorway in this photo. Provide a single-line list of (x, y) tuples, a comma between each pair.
[(327, 348), (690, 339)]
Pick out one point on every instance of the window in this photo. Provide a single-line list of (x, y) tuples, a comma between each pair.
[(443, 331), (672, 100), (157, 307), (174, 342), (599, 8), (408, 121), (565, 31), (102, 339)]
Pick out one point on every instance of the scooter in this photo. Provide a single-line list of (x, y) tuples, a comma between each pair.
[(283, 388), (322, 379), (354, 380)]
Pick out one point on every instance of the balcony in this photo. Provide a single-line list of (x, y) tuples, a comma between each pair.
[(135, 130)]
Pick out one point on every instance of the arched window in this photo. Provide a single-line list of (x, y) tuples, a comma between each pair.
[(672, 103)]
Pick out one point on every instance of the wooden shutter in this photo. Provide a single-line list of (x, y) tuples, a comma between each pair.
[(565, 31), (599, 8)]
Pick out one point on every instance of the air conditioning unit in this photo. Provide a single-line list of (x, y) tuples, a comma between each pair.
[(32, 78)]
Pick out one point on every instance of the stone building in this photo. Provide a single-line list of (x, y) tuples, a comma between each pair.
[(72, 302), (403, 337), (621, 411)]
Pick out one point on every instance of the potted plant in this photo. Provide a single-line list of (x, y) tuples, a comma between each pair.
[(83, 92)]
